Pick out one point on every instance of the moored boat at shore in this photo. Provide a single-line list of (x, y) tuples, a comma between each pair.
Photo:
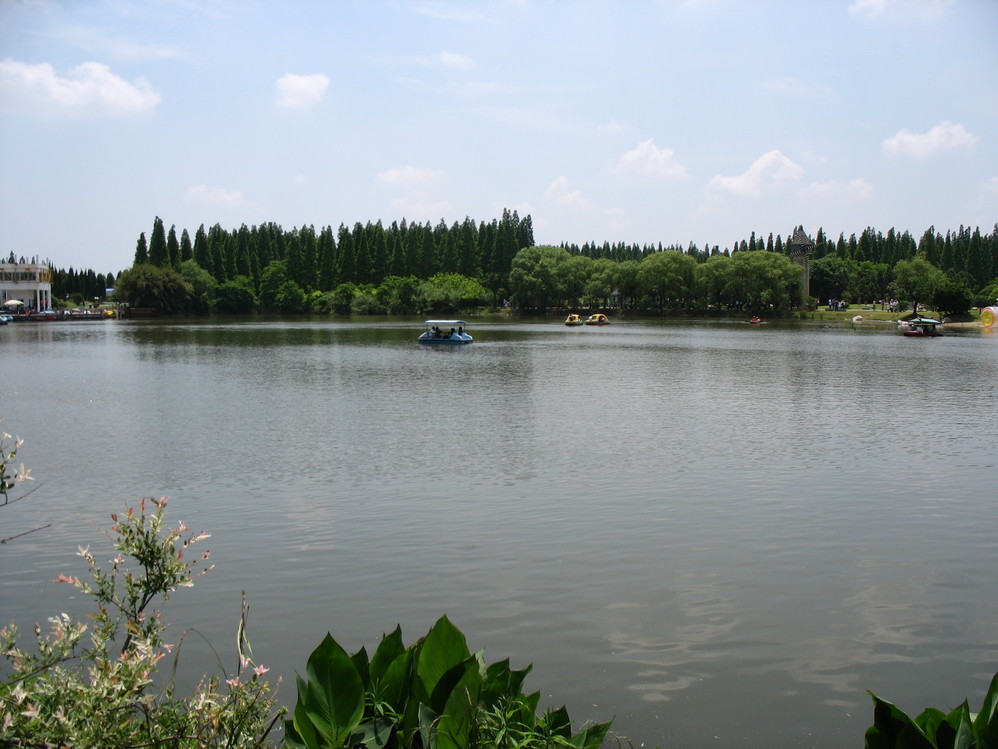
[(920, 327)]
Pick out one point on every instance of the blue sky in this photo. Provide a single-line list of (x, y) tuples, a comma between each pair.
[(638, 121)]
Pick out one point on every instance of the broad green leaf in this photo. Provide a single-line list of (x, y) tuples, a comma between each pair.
[(334, 695), (592, 736), (414, 693), (361, 663), (501, 681), (930, 721), (463, 681), (452, 731), (533, 700), (374, 733), (955, 730), (558, 722), (299, 731), (393, 686), (986, 722), (892, 726), (427, 726), (443, 648), (390, 648)]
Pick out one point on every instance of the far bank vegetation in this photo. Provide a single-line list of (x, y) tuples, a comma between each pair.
[(418, 268)]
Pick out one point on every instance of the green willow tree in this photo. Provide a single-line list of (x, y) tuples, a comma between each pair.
[(917, 280), (152, 287), (668, 278), (536, 277)]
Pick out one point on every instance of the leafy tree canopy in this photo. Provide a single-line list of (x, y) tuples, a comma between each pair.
[(153, 287), (917, 280)]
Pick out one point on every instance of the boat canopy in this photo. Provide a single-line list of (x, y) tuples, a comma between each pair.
[(446, 322), (923, 321)]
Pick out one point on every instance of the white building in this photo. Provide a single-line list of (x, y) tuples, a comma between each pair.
[(30, 283)]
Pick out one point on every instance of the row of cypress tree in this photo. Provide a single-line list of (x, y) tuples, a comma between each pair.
[(364, 254)]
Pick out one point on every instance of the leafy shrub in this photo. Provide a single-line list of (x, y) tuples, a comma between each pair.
[(236, 297), (81, 689), (933, 729), (9, 477), (435, 694)]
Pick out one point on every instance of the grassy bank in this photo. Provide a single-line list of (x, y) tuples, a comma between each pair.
[(867, 313)]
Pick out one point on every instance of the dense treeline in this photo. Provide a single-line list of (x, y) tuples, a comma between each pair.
[(413, 267), (955, 271), (365, 254), (81, 285), (964, 251)]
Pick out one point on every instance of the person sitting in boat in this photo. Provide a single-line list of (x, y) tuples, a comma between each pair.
[(460, 332), (453, 333)]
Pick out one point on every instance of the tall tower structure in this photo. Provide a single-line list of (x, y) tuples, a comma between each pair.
[(800, 249)]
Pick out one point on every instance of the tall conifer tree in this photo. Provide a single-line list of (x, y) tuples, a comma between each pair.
[(141, 251), (172, 248), (186, 250), (157, 244)]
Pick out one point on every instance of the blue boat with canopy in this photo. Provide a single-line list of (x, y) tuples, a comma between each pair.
[(445, 333)]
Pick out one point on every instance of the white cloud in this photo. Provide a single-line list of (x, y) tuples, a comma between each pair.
[(649, 161), (613, 127), (943, 136), (857, 188), (448, 60), (898, 9), (560, 193), (301, 91), (89, 89), (420, 201), (769, 171), (416, 208), (213, 196), (411, 176)]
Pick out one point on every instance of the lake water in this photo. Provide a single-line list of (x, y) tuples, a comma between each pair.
[(719, 534)]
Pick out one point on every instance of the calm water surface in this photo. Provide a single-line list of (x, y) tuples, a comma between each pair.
[(720, 534)]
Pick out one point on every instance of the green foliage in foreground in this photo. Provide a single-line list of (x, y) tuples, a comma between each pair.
[(435, 694), (933, 729), (92, 686), (9, 477)]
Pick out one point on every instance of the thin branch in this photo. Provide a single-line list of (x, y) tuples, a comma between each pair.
[(11, 538), (8, 501)]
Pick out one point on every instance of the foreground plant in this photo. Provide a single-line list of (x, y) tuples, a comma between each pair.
[(933, 729), (93, 686), (435, 694)]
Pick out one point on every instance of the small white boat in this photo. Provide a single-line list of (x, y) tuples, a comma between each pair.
[(445, 332)]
